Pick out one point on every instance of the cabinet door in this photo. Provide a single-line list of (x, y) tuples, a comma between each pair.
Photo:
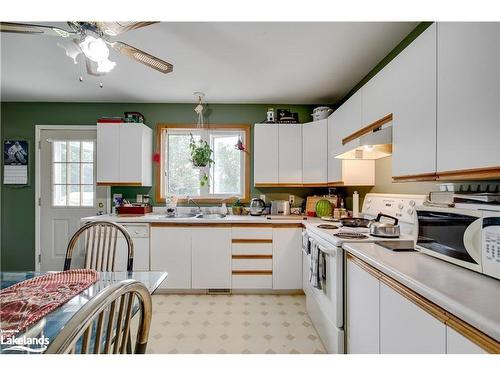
[(334, 143), (348, 119), (414, 111), (171, 252), (131, 160), (378, 96), (406, 328), (211, 258), (468, 99), (265, 154), (458, 344), (108, 153), (290, 154), (287, 258), (315, 152), (363, 291)]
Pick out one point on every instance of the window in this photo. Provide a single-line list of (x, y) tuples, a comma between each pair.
[(228, 175), (73, 173)]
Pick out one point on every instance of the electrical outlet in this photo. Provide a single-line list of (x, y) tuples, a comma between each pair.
[(291, 199), (263, 197)]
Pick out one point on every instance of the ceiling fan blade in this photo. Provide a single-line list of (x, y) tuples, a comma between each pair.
[(117, 28), (26, 28), (143, 57)]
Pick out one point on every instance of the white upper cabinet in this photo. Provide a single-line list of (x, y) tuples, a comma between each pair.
[(124, 154), (314, 152), (413, 73), (348, 119), (334, 142), (290, 154), (266, 139), (378, 96), (468, 96)]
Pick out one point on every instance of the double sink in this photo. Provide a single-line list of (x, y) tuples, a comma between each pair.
[(197, 216)]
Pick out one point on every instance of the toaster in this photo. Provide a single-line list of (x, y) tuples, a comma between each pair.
[(280, 208)]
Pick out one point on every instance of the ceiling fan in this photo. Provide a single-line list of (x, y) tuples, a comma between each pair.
[(93, 40)]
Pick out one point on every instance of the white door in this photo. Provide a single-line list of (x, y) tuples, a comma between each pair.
[(314, 152), (287, 258), (265, 153), (362, 319), (468, 95), (68, 191), (211, 258), (290, 154)]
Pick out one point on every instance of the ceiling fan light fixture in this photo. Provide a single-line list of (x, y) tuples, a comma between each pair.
[(105, 66), (94, 48)]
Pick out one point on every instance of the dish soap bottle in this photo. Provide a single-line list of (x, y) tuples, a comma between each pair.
[(355, 204)]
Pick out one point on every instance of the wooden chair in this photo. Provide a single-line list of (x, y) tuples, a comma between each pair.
[(100, 239), (102, 326)]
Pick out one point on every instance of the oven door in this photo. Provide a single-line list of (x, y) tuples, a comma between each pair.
[(451, 234)]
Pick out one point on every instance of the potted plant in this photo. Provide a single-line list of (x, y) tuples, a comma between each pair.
[(201, 156), (237, 207)]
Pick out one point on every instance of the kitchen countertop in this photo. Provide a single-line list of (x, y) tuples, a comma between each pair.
[(229, 219), (472, 297)]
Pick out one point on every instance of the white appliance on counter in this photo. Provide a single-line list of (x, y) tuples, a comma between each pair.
[(465, 237), (325, 306)]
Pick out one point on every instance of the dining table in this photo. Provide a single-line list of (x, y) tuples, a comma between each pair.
[(51, 324)]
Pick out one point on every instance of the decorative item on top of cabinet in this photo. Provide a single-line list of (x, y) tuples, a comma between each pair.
[(124, 154)]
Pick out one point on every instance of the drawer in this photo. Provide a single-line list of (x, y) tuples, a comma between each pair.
[(137, 230), (252, 282), (252, 248), (252, 233), (252, 264)]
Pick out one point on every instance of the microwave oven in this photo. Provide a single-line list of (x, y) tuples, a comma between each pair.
[(468, 238)]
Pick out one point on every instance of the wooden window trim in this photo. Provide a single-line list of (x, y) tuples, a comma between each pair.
[(161, 127)]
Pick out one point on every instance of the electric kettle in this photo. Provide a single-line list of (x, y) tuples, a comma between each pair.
[(257, 207)]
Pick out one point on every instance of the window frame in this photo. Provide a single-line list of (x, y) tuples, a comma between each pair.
[(162, 129)]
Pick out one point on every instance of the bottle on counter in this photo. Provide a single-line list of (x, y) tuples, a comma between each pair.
[(355, 204)]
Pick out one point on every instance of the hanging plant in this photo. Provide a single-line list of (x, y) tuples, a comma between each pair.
[(201, 153)]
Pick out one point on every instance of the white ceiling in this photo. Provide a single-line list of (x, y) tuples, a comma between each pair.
[(293, 63)]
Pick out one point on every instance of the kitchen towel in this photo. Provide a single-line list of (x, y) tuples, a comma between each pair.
[(314, 271), (28, 301)]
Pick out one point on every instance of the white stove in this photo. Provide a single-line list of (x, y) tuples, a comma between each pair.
[(325, 305)]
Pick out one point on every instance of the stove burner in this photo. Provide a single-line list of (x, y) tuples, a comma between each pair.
[(327, 226), (351, 235)]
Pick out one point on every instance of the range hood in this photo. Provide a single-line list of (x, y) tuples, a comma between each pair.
[(369, 143)]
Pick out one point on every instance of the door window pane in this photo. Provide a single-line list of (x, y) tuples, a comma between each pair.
[(88, 152), (87, 173), (59, 195), (74, 151), (73, 173)]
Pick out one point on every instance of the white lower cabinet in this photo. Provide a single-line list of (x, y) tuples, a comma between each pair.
[(211, 258), (405, 328), (287, 258), (363, 311), (171, 252), (458, 344)]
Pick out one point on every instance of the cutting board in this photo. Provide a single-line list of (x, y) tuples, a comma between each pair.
[(311, 202)]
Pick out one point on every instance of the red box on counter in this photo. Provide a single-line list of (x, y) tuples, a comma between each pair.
[(134, 210)]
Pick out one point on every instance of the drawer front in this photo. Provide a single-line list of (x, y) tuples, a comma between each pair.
[(252, 282), (137, 231), (252, 248), (252, 264), (251, 233)]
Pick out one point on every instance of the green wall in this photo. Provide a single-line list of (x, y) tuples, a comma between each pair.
[(18, 119)]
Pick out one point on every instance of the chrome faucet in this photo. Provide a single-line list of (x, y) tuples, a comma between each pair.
[(189, 199)]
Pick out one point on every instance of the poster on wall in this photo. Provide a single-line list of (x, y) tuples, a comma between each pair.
[(15, 162)]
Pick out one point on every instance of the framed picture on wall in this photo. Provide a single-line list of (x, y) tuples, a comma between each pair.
[(15, 162)]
